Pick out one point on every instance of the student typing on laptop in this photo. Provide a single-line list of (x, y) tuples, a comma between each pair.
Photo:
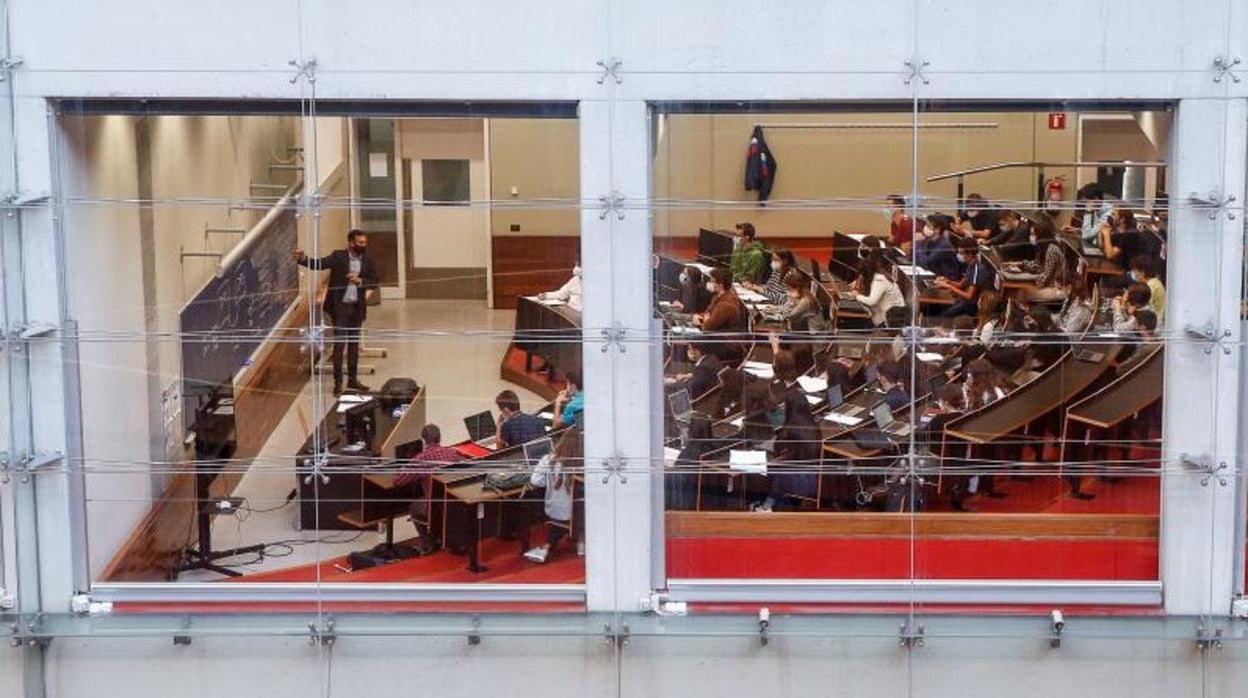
[(515, 427)]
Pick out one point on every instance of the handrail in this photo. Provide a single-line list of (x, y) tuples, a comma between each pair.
[(1008, 165)]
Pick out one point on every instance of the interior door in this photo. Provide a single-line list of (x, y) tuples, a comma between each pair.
[(449, 231)]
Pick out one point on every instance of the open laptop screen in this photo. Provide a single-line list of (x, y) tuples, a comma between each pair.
[(883, 415), (480, 426)]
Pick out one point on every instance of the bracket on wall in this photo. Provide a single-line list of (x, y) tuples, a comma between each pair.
[(910, 635), (610, 69), (1215, 203), (303, 69), (613, 336), (13, 202), (614, 467), (322, 633), (26, 465), (1210, 335), (1203, 463), (8, 65), (1222, 67), (615, 637), (474, 637), (611, 203), (914, 71), (27, 633), (1208, 638)]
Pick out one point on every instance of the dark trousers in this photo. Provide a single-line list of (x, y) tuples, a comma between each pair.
[(961, 307), (347, 319)]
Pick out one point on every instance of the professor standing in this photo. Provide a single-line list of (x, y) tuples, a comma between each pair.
[(352, 274)]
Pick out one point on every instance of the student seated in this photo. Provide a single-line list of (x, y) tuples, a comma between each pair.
[(1076, 312), (893, 386), (1144, 271), (1092, 218), (1135, 298), (694, 298), (782, 262), (1048, 342), (989, 318), (758, 426), (1146, 324), (934, 249), (569, 293), (800, 309), (725, 316), (976, 220), (570, 401), (554, 472), (705, 374), (946, 404), (419, 473), (515, 427), (1123, 241), (900, 225), (1012, 238), (982, 385), (977, 278), (680, 486), (1049, 265), (749, 257), (875, 289)]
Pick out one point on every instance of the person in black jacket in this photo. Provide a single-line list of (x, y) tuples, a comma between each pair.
[(352, 274)]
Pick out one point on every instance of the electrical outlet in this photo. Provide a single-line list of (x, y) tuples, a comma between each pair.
[(515, 227)]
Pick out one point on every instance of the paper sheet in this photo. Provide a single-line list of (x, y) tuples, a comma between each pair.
[(843, 420), (669, 455), (748, 461), (812, 384), (929, 357)]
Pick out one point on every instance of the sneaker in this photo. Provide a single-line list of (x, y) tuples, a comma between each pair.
[(337, 388), (357, 386), (537, 555)]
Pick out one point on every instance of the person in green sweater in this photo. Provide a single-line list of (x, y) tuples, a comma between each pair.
[(749, 256)]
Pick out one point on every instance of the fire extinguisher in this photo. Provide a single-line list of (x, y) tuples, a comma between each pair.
[(1053, 193)]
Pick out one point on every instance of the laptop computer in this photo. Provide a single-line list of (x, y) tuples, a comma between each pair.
[(480, 427), (409, 450), (873, 438), (682, 407), (536, 449), (835, 396)]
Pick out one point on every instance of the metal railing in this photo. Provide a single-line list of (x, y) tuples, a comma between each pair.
[(961, 175)]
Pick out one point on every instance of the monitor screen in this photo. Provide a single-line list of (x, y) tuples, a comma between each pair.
[(835, 396), (680, 403), (534, 450), (883, 415), (480, 426)]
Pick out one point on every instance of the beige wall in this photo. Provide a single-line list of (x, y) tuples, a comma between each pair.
[(701, 158), (198, 157), (541, 159)]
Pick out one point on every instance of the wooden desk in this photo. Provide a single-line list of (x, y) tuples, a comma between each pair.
[(1060, 383), (552, 332), (321, 502), (1131, 392)]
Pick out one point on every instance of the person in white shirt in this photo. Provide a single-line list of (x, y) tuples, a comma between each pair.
[(875, 290), (554, 472), (570, 292)]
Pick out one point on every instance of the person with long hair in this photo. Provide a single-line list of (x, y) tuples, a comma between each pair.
[(1049, 264), (1076, 312), (800, 306), (798, 448), (554, 472), (694, 298), (982, 385), (782, 262), (876, 290)]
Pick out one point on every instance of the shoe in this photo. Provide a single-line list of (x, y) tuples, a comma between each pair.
[(337, 389), (357, 386), (537, 555)]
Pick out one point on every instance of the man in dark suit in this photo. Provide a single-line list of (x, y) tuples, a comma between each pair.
[(352, 274), (705, 374)]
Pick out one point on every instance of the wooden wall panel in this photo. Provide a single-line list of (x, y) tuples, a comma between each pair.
[(529, 264)]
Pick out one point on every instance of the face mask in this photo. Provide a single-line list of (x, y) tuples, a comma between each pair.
[(1003, 228), (1032, 238), (861, 253), (775, 266), (576, 271), (736, 242), (971, 213), (710, 287), (962, 258), (1137, 276), (684, 278)]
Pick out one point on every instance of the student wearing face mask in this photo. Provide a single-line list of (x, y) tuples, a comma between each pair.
[(705, 373), (693, 294), (1136, 297), (1076, 313), (749, 257), (1012, 238), (934, 249), (1144, 271), (900, 224), (800, 306), (1049, 265), (725, 316), (876, 290), (570, 292), (782, 263), (977, 278), (976, 220)]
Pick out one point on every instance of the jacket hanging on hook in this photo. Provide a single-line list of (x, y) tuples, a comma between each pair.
[(760, 166)]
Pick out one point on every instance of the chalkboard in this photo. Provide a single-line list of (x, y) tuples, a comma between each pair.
[(224, 324)]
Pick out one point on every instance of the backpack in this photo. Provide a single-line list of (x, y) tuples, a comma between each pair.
[(397, 391)]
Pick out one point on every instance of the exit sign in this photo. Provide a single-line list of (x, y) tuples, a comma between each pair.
[(1057, 121)]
